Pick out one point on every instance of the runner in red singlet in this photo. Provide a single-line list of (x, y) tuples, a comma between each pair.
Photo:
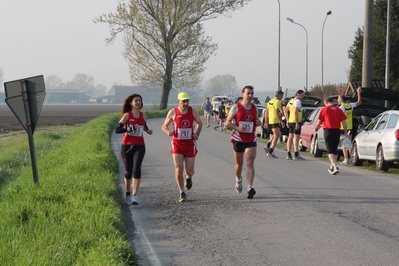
[(243, 137), (187, 126)]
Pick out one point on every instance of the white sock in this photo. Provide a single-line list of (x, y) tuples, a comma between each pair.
[(249, 187), (239, 180)]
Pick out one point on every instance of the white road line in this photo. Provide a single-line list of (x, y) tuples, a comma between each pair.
[(143, 246)]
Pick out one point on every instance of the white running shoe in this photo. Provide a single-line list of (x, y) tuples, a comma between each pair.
[(238, 185), (135, 200), (298, 158), (266, 149), (335, 170), (271, 155), (128, 200)]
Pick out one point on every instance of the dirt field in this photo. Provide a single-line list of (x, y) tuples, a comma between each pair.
[(54, 115)]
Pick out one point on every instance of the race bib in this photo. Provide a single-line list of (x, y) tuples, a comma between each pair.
[(248, 126), (137, 133), (184, 133)]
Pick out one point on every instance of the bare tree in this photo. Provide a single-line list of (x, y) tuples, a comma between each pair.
[(53, 82), (164, 39), (222, 85)]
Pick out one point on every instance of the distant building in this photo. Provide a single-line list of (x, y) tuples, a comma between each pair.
[(117, 94), (66, 96)]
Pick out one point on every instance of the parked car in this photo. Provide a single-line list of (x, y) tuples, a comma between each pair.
[(379, 142), (260, 131), (260, 108), (374, 102), (222, 98), (255, 100)]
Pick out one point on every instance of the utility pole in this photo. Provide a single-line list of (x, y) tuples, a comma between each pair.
[(367, 66), (388, 45)]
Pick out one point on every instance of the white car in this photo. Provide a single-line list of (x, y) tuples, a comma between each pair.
[(379, 142), (222, 98)]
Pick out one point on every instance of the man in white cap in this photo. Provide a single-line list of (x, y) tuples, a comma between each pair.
[(187, 126)]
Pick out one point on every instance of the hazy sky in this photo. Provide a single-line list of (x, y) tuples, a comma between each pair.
[(48, 37)]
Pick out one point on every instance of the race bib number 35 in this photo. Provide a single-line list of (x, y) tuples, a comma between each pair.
[(248, 126)]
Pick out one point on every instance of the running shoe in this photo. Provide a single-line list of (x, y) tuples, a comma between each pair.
[(189, 183), (251, 193), (238, 185), (266, 149), (128, 200), (135, 200), (182, 197), (298, 158), (208, 125), (289, 157), (344, 162), (335, 170), (330, 169), (271, 155)]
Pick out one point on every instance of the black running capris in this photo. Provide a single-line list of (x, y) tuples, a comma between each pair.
[(133, 156)]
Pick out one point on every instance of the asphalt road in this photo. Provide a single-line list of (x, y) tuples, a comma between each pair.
[(300, 215)]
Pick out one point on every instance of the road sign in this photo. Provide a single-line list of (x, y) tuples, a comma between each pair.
[(25, 98), (35, 92)]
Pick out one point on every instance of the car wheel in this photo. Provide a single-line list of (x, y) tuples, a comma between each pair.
[(301, 147), (315, 147), (355, 156), (380, 162)]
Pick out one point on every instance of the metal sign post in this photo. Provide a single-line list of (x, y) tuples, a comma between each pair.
[(25, 98), (30, 132)]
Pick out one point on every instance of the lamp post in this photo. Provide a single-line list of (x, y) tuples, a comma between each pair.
[(292, 21), (279, 35), (322, 51)]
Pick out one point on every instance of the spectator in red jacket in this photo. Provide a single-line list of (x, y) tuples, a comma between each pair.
[(330, 119)]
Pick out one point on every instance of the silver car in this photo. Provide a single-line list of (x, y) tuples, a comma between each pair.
[(379, 142)]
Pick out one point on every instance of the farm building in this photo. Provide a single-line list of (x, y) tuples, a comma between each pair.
[(66, 96), (117, 94)]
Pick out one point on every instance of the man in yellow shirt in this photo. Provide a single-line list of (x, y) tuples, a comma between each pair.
[(273, 120), (293, 113), (347, 108)]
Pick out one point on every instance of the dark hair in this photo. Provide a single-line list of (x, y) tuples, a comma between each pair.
[(328, 99), (279, 93), (247, 87), (299, 92), (127, 104)]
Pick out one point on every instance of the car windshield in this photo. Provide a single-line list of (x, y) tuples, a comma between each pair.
[(255, 100)]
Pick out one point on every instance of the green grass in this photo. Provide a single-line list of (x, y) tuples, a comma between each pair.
[(73, 216)]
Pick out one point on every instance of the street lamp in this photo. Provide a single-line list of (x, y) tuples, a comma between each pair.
[(322, 51), (292, 21), (279, 34)]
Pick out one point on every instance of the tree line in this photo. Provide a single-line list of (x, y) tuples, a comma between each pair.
[(81, 82)]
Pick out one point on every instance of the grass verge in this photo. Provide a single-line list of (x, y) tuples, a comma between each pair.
[(73, 216)]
